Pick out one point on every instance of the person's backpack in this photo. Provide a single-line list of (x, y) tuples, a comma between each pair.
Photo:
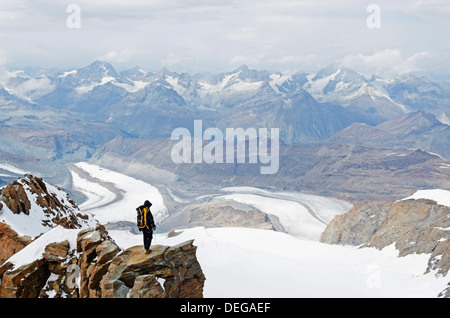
[(141, 218)]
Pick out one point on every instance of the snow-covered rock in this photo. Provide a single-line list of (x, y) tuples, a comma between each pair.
[(33, 206), (30, 207), (414, 226), (438, 195)]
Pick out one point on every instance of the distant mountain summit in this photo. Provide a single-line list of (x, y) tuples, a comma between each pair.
[(94, 72), (340, 85)]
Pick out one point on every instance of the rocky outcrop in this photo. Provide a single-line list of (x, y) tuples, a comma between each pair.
[(16, 199), (10, 242), (95, 267), (41, 207), (20, 195), (218, 213), (168, 272), (24, 282), (414, 226)]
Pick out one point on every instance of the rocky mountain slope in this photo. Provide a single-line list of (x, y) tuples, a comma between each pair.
[(30, 207), (43, 132), (413, 226), (51, 249), (416, 130), (420, 94)]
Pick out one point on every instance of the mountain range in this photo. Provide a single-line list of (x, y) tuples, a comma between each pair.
[(51, 117), (167, 99)]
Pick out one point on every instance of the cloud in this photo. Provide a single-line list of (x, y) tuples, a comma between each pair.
[(119, 57), (3, 58), (387, 62), (173, 59), (431, 8), (33, 88), (36, 84), (193, 35), (285, 63)]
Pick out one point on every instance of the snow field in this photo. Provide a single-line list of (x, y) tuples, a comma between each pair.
[(243, 262), (438, 195)]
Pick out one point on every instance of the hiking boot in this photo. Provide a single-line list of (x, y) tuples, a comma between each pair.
[(148, 251)]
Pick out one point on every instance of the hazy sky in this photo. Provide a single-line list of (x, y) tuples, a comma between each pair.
[(220, 35)]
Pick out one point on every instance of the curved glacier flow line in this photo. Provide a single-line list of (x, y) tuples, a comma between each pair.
[(124, 192), (280, 196), (109, 193), (294, 217)]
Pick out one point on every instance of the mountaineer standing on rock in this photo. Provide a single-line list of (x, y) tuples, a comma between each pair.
[(146, 224)]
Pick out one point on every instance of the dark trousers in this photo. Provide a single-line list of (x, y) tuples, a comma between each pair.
[(148, 236)]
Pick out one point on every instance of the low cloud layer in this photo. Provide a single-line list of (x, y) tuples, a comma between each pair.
[(211, 36)]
